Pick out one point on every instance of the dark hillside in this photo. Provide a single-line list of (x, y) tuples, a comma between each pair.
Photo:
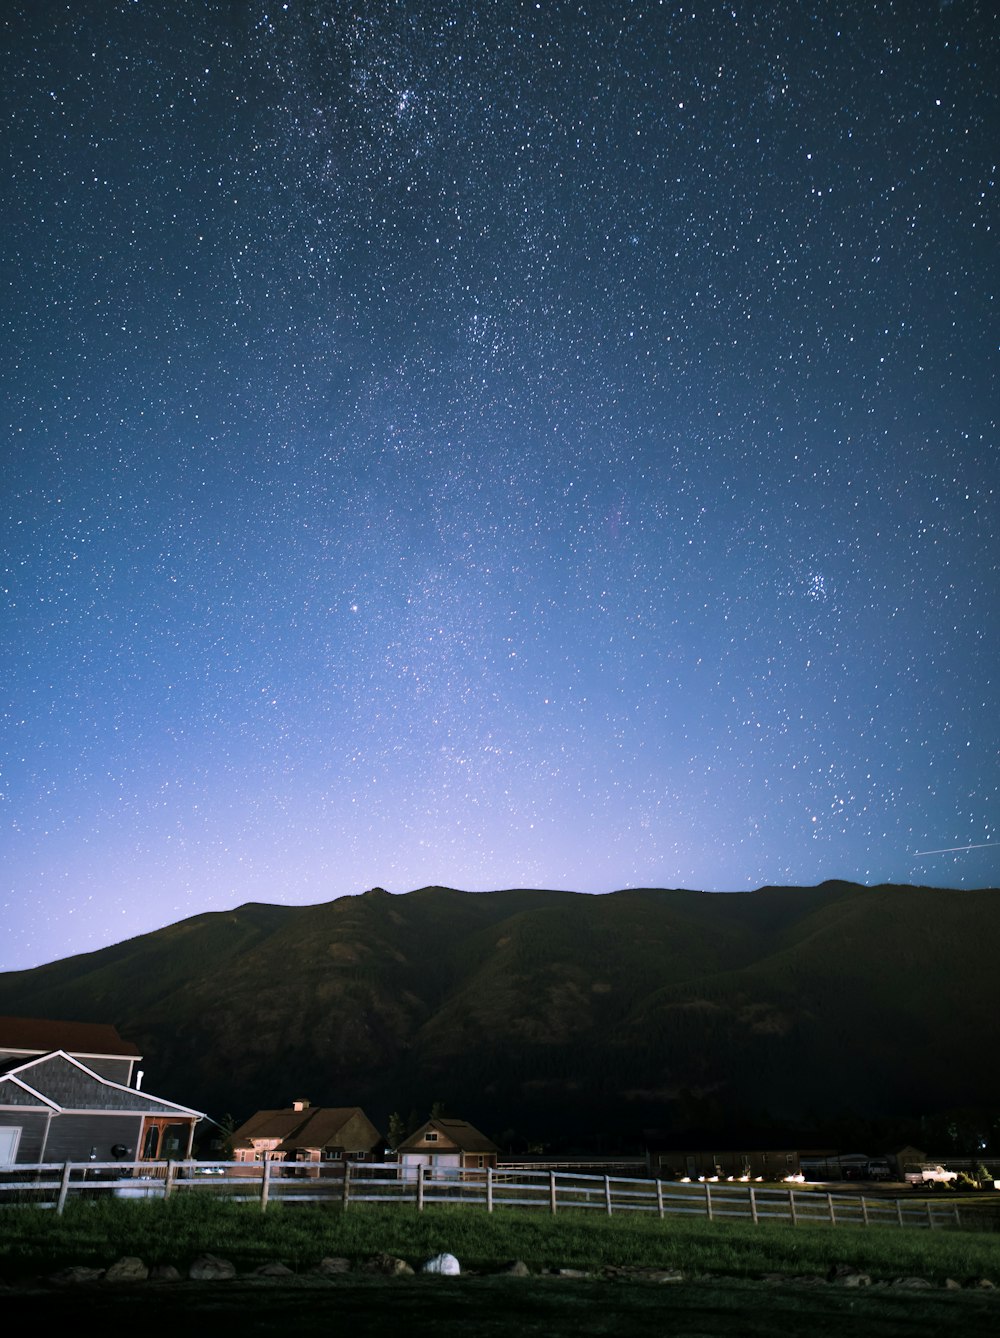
[(558, 1012)]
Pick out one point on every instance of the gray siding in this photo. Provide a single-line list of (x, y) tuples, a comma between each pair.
[(72, 1137), (73, 1089), (115, 1070), (13, 1095)]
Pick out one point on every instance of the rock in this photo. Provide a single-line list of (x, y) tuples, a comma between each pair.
[(911, 1284), (333, 1264), (388, 1264), (951, 1285), (164, 1273), (446, 1264), (127, 1269), (569, 1273), (845, 1275), (75, 1275), (982, 1284), (517, 1268), (665, 1275), (273, 1270), (210, 1268)]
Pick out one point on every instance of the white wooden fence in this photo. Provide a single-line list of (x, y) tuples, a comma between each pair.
[(51, 1185)]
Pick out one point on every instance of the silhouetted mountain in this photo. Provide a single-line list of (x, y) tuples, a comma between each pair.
[(554, 1011)]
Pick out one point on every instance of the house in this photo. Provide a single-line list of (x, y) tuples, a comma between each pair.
[(442, 1145), (306, 1133), (71, 1092)]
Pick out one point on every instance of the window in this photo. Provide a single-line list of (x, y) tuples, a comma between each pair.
[(431, 1136)]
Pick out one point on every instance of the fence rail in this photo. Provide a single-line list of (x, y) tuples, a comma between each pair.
[(51, 1185)]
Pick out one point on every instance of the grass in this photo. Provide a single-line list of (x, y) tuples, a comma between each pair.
[(34, 1243)]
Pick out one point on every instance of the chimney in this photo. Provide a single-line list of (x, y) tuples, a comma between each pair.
[(300, 1105)]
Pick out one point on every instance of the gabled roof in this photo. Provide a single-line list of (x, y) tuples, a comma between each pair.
[(52, 1078), (314, 1127), (36, 1035), (460, 1132)]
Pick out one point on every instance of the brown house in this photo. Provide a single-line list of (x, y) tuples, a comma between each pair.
[(442, 1145), (70, 1091), (305, 1133)]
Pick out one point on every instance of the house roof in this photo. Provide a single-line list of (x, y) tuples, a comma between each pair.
[(314, 1127), (55, 1080), (35, 1035), (464, 1135)]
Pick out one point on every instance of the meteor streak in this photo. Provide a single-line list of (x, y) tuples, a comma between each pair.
[(949, 850)]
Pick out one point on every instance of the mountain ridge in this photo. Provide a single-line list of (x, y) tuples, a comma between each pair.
[(555, 1009)]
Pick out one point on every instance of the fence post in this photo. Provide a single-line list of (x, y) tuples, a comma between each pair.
[(659, 1197), (552, 1192), (708, 1200), (168, 1179), (753, 1206), (899, 1212), (864, 1210), (607, 1193), (346, 1197), (930, 1215), (420, 1187), (958, 1219), (489, 1189), (63, 1188), (265, 1182), (833, 1215)]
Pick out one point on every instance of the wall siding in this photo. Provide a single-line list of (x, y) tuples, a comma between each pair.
[(115, 1070), (72, 1137)]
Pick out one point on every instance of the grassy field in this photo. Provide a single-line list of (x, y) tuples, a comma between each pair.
[(95, 1233), (722, 1292)]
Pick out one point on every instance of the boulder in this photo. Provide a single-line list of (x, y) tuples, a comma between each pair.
[(333, 1264), (442, 1263), (127, 1269), (210, 1268), (164, 1273), (517, 1268), (845, 1275), (75, 1275), (273, 1270), (387, 1264)]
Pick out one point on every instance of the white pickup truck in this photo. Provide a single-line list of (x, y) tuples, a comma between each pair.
[(929, 1173)]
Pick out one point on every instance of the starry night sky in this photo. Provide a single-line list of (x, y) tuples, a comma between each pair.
[(493, 444)]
